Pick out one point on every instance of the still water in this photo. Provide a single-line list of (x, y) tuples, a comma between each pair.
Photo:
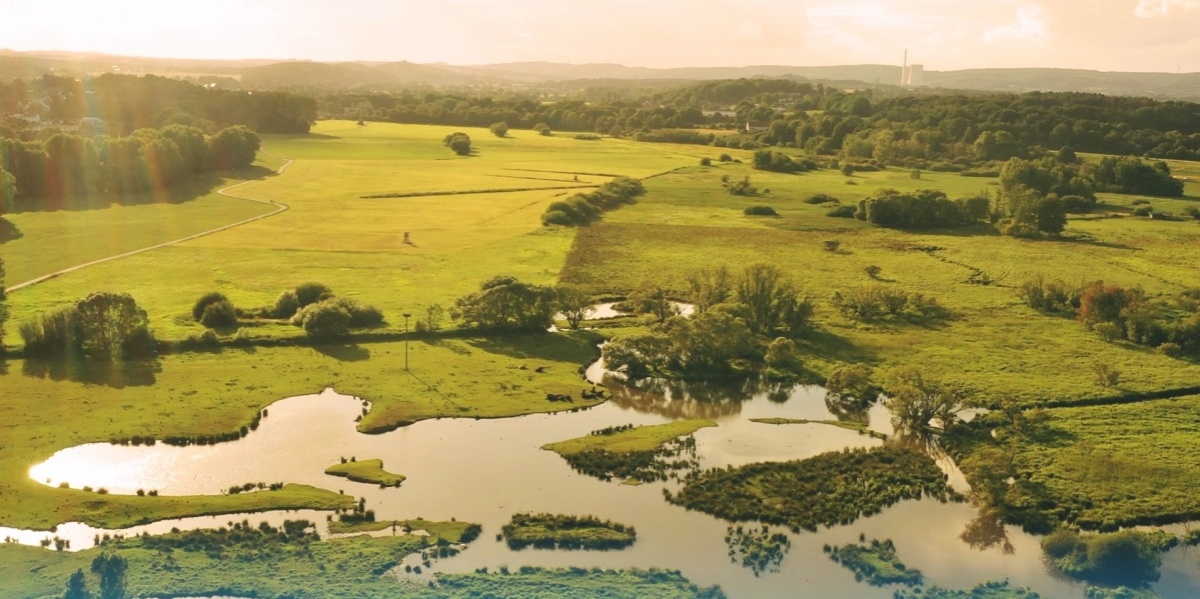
[(485, 470)]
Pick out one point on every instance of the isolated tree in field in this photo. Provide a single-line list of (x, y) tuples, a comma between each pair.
[(433, 318), (1106, 375), (573, 303), (543, 129), (459, 142), (326, 319), (111, 568), (831, 245), (77, 586), (499, 129), (112, 326), (506, 304)]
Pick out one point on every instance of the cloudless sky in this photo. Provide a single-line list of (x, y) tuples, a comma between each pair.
[(1112, 35)]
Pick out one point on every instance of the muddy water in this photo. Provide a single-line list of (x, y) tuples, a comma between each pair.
[(485, 470)]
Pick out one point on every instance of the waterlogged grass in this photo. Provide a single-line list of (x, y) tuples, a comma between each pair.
[(876, 563), (552, 531), (637, 439), (1108, 466), (986, 590), (857, 427), (829, 489), (452, 532), (196, 394), (366, 471), (344, 567), (993, 345)]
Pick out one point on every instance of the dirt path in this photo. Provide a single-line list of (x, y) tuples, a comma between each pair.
[(225, 192)]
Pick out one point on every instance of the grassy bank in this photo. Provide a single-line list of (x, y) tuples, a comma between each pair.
[(551, 531), (636, 439)]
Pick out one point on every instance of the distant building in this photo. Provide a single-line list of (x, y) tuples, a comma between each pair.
[(912, 75), (756, 126)]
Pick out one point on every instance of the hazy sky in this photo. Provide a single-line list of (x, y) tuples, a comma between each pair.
[(1124, 35)]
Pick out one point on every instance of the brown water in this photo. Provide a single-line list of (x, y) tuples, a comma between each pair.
[(486, 470)]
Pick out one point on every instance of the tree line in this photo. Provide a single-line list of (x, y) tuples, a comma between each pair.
[(127, 103), (150, 159)]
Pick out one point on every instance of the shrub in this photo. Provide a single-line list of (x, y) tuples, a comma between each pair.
[(1106, 376), (219, 314), (361, 315), (725, 158), (821, 198), (459, 142), (311, 293), (842, 212), (1060, 543), (1141, 202), (831, 245), (873, 271), (587, 136), (782, 355), (499, 129), (706, 161), (543, 129), (1143, 211), (1170, 350), (1108, 331), (205, 300), (325, 319), (742, 187), (848, 170), (760, 210), (1192, 211), (1078, 204), (285, 305)]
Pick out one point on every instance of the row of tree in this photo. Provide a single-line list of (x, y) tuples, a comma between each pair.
[(585, 208), (127, 103), (149, 159)]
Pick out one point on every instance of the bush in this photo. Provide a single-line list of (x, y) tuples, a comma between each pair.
[(1106, 376), (831, 245), (219, 314), (1143, 211), (1060, 543), (587, 136), (822, 198), (286, 305), (842, 212), (1108, 331), (311, 293), (361, 315), (1170, 350), (499, 129), (543, 129), (459, 142), (725, 158), (706, 161), (760, 210), (584, 208), (211, 297), (1192, 211), (325, 319)]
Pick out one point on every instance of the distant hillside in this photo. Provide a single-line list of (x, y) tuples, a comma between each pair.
[(388, 76)]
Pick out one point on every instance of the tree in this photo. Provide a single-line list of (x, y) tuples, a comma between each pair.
[(709, 341), (311, 293), (506, 304), (710, 287), (111, 569), (233, 148), (77, 586), (1051, 215), (573, 303), (1066, 155), (782, 355), (773, 302), (459, 142), (8, 192), (102, 326), (499, 129), (852, 381), (543, 129), (916, 400)]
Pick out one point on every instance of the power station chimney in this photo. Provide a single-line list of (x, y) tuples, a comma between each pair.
[(905, 75)]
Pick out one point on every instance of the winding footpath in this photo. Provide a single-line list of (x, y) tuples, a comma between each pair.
[(279, 207)]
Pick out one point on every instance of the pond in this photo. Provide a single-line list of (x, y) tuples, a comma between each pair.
[(485, 470)]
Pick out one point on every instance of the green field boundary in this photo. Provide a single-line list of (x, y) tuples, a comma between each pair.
[(280, 207), (426, 194)]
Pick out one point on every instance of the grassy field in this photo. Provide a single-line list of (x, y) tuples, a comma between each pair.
[(1122, 464), (366, 471), (641, 438), (994, 345), (51, 241), (356, 245)]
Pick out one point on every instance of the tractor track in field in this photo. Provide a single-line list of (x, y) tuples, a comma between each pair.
[(279, 207)]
